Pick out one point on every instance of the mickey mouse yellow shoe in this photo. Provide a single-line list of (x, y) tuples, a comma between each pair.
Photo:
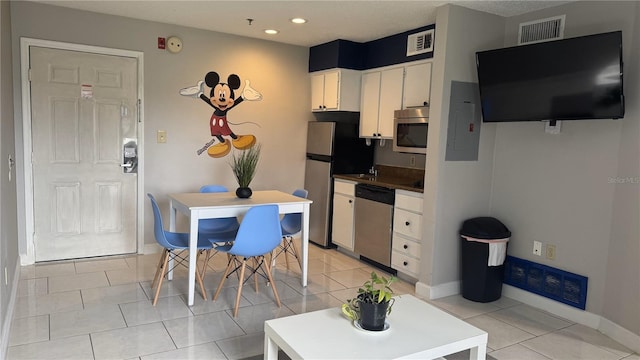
[(219, 150), (243, 142)]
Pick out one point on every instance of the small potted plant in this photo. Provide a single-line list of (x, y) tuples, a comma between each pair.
[(244, 168), (372, 304)]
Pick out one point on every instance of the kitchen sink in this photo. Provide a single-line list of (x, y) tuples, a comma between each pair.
[(366, 176)]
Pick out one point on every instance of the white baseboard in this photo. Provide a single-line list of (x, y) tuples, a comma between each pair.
[(607, 327), (557, 308), (620, 334), (8, 319), (438, 291), (423, 290), (27, 259)]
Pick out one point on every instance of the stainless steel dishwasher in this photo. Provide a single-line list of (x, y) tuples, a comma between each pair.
[(373, 218)]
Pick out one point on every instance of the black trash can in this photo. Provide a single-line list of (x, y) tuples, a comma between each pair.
[(483, 249)]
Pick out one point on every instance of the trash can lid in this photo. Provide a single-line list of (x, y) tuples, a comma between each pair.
[(485, 228)]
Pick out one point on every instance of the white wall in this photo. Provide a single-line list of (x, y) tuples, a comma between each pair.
[(623, 264), (454, 190), (278, 71), (556, 188), (8, 217)]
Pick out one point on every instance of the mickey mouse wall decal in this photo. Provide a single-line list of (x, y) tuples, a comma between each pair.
[(222, 98)]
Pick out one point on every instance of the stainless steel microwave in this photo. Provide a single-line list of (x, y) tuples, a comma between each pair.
[(410, 129)]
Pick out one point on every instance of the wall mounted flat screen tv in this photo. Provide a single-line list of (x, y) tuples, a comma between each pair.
[(571, 79)]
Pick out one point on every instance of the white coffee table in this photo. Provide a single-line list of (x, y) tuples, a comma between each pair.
[(417, 330)]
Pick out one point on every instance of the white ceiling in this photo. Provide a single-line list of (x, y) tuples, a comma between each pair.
[(360, 21)]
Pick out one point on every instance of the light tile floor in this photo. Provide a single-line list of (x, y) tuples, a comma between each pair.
[(100, 309)]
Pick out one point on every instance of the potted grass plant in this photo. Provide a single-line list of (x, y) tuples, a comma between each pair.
[(244, 167), (372, 304)]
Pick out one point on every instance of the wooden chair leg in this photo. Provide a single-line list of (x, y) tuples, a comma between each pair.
[(255, 274), (273, 286), (272, 260), (199, 278), (235, 308), (224, 277), (164, 271), (204, 266), (158, 270)]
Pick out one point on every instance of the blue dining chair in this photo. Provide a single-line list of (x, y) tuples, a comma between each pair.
[(219, 224), (173, 244), (258, 235), (228, 227), (291, 225)]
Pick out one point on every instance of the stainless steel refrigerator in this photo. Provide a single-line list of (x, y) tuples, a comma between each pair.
[(332, 148)]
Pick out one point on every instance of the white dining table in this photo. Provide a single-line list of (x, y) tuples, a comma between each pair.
[(198, 206)]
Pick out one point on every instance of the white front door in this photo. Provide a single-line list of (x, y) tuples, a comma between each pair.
[(83, 113)]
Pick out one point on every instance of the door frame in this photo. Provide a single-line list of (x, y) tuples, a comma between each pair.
[(27, 248)]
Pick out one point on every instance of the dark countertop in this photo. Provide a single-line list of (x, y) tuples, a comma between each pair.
[(394, 178)]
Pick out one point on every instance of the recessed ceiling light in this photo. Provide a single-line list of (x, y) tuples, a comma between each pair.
[(271, 31), (298, 20)]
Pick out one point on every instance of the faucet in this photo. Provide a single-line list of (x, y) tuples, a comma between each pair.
[(373, 171)]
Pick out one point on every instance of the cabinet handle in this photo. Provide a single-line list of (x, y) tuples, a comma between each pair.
[(405, 263), (350, 201), (407, 223), (406, 246)]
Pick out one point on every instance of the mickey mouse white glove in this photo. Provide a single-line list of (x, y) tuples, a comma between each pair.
[(249, 93), (193, 91)]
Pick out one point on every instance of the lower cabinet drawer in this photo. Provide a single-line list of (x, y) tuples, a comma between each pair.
[(405, 264), (405, 246), (407, 223)]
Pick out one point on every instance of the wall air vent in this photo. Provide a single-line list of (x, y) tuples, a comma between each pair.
[(541, 30), (420, 43), (552, 283)]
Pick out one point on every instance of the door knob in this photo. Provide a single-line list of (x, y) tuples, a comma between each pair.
[(407, 223)]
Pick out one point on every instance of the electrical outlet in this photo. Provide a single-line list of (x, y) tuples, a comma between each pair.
[(162, 137), (551, 252), (537, 248), (412, 160)]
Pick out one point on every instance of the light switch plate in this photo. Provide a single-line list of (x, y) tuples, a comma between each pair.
[(537, 248), (162, 136)]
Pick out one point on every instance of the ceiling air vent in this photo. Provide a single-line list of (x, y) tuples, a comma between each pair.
[(420, 43), (541, 30)]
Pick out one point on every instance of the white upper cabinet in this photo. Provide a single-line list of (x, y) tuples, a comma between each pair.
[(370, 104), (417, 85), (336, 89), (381, 96)]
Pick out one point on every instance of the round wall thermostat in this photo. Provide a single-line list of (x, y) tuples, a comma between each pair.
[(174, 44)]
